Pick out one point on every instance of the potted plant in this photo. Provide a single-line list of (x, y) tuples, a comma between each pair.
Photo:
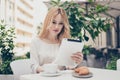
[(112, 61), (7, 36)]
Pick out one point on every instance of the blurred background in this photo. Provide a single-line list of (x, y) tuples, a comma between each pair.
[(27, 16)]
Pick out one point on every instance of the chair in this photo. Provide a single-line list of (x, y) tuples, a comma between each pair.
[(118, 64), (20, 67)]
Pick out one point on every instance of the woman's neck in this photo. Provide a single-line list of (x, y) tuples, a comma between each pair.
[(51, 40)]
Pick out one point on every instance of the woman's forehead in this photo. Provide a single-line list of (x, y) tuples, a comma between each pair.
[(58, 18)]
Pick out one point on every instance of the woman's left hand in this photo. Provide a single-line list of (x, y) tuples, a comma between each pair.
[(77, 57)]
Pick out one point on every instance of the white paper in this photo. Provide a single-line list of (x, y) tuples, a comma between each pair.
[(67, 48)]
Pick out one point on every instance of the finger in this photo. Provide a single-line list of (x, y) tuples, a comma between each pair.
[(76, 59), (79, 54)]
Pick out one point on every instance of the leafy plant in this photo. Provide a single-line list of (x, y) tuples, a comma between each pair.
[(82, 20), (7, 36), (86, 49), (112, 61)]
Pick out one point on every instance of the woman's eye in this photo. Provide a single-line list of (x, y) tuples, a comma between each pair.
[(60, 23), (54, 22)]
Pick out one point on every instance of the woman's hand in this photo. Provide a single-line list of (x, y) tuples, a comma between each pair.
[(39, 69), (77, 57)]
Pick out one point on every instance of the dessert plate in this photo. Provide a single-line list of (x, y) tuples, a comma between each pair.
[(82, 76), (51, 74)]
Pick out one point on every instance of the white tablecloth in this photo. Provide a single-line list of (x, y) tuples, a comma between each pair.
[(98, 74)]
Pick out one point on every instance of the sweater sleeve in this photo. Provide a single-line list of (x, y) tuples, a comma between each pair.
[(34, 56)]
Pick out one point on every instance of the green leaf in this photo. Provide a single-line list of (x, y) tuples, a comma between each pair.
[(86, 37)]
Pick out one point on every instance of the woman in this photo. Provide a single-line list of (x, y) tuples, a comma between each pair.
[(44, 48)]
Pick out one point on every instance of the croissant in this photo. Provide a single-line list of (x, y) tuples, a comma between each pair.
[(82, 70)]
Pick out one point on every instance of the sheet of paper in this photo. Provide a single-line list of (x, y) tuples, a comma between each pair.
[(67, 48)]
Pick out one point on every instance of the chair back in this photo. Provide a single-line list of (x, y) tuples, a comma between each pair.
[(20, 67), (118, 64)]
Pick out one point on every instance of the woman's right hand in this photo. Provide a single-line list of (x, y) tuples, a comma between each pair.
[(39, 69)]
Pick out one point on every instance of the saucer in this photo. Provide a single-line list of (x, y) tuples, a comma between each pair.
[(50, 74), (82, 76)]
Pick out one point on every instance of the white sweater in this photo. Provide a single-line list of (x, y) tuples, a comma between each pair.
[(42, 52)]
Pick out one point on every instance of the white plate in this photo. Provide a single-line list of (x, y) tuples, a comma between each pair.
[(50, 74), (82, 76)]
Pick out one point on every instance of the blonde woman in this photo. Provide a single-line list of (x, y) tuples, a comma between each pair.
[(44, 48)]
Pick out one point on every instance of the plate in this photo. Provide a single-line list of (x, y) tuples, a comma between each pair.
[(82, 76), (51, 74)]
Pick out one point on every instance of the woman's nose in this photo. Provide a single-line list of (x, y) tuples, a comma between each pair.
[(56, 26)]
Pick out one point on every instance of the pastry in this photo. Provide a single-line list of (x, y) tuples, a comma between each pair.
[(82, 70)]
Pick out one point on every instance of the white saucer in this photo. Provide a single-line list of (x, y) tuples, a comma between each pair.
[(51, 74), (82, 76)]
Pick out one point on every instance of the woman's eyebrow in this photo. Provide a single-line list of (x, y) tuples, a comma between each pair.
[(54, 20), (61, 21), (58, 21)]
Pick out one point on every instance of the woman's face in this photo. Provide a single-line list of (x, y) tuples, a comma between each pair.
[(56, 26)]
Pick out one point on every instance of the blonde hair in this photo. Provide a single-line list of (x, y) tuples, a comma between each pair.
[(65, 32)]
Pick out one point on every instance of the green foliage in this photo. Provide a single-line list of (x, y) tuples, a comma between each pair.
[(6, 47), (112, 62), (28, 54), (86, 49), (82, 20), (20, 57), (5, 68)]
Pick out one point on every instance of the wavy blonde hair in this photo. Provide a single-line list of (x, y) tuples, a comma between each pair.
[(53, 12)]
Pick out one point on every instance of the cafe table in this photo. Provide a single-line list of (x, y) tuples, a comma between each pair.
[(97, 74)]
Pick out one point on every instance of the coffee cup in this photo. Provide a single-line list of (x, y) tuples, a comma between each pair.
[(50, 68)]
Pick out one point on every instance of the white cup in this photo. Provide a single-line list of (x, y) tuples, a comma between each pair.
[(50, 68)]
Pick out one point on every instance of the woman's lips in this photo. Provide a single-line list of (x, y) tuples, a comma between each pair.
[(55, 30)]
